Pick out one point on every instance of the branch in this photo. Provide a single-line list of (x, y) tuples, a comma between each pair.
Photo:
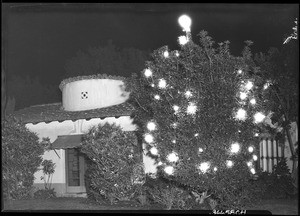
[(210, 62), (141, 105)]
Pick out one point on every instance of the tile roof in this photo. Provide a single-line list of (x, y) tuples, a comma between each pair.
[(54, 112), (67, 141)]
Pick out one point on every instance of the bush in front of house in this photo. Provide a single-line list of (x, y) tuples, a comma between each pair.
[(171, 195), (167, 194), (21, 157), (112, 157), (278, 184)]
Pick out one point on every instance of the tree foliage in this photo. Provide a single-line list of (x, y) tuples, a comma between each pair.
[(30, 91), (21, 158), (108, 59), (280, 68), (211, 75)]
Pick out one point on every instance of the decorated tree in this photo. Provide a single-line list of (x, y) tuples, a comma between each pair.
[(199, 114)]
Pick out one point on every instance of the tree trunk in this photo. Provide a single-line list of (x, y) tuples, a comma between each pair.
[(291, 145)]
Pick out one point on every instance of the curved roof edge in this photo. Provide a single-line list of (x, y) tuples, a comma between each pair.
[(87, 77)]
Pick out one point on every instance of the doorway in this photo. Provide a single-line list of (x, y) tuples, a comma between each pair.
[(75, 170)]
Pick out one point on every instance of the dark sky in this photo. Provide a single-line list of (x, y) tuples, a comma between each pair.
[(39, 38)]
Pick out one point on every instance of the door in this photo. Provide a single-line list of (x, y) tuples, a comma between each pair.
[(75, 169)]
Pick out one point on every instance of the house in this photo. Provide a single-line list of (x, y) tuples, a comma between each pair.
[(86, 101)]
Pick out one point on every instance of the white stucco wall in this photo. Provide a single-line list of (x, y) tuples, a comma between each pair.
[(100, 93), (53, 130)]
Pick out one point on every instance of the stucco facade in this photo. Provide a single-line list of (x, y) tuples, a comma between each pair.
[(93, 93)]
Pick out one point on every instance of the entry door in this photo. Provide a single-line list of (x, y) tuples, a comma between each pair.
[(75, 169)]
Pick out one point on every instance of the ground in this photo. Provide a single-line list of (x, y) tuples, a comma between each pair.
[(278, 207)]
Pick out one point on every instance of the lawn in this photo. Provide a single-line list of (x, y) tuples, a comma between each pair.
[(276, 207)]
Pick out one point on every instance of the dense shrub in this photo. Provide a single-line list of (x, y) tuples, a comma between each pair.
[(45, 194), (21, 158), (112, 160), (278, 184), (171, 195)]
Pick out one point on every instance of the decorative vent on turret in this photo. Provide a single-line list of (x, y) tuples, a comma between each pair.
[(84, 95)]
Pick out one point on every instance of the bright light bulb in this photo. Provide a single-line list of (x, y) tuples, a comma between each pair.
[(157, 97), (266, 85), (192, 108), (249, 164), (252, 171), (243, 95), (185, 22), (259, 117), (148, 138), (200, 150), (148, 73), (151, 126), (169, 170), (255, 158), (188, 94), (204, 167), (152, 85), (253, 101), (154, 151), (173, 141), (196, 134), (177, 53), (182, 40), (176, 108), (229, 163), (240, 71), (249, 85), (256, 134), (235, 147), (174, 125), (250, 149), (166, 54), (215, 168), (159, 163), (162, 83), (241, 114), (172, 157)]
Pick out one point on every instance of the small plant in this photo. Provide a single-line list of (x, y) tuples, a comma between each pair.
[(48, 170), (142, 196)]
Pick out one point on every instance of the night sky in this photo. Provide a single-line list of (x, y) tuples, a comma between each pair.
[(40, 38)]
